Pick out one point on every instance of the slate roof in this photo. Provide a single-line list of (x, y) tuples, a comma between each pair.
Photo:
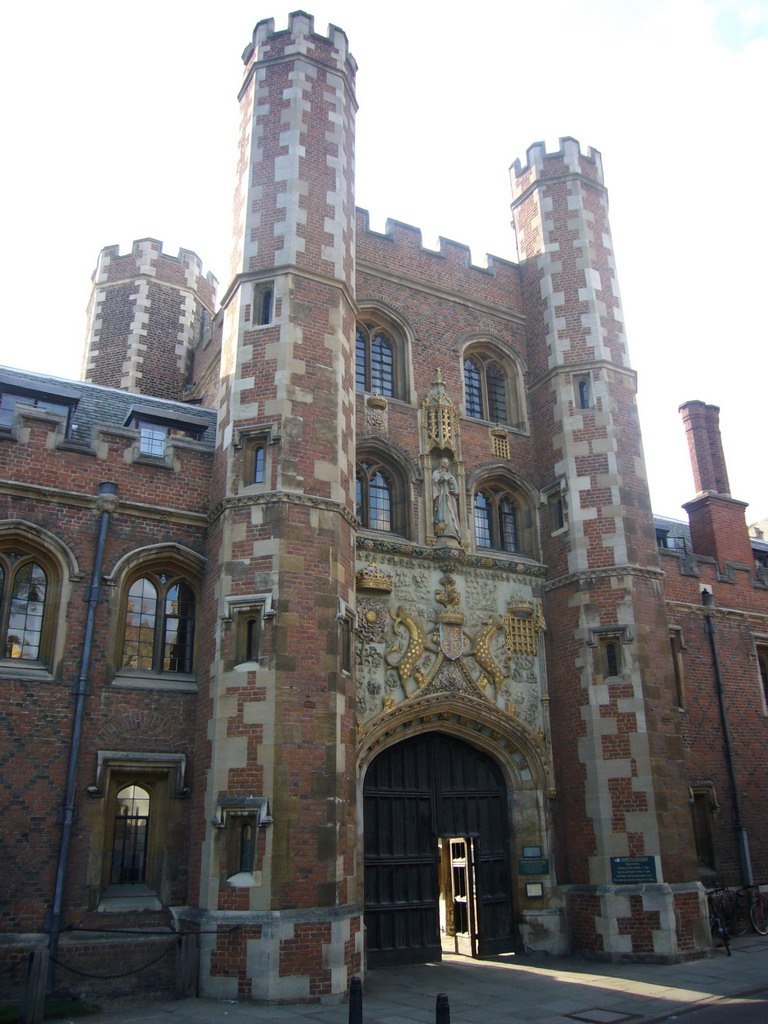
[(675, 529), (97, 405)]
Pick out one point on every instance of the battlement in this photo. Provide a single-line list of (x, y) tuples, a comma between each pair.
[(401, 246), (299, 38), (567, 160), (147, 259)]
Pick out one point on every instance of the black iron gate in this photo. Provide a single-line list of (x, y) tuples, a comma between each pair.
[(416, 793)]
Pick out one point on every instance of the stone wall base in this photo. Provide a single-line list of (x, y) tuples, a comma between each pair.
[(543, 931), (278, 956), (93, 966), (655, 923)]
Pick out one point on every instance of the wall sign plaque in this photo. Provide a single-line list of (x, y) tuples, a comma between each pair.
[(632, 870), (533, 866)]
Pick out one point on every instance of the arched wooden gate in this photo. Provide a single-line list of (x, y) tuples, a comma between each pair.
[(437, 872)]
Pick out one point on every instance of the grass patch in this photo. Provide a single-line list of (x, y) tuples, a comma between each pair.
[(53, 1008)]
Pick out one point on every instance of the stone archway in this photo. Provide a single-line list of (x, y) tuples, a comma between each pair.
[(437, 852)]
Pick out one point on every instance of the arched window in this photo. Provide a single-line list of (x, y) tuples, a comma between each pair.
[(495, 521), (612, 658), (36, 570), (503, 514), (23, 590), (247, 847), (259, 461), (374, 360), (159, 625), (490, 389), (374, 497), (129, 846), (263, 295)]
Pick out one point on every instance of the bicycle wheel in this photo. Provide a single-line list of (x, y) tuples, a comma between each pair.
[(758, 913), (736, 914), (722, 934)]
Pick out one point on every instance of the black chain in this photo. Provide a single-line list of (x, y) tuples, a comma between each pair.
[(123, 974)]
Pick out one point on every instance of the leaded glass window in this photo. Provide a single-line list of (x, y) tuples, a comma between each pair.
[(486, 389), (374, 360), (497, 394), (482, 521), (159, 626), (473, 394), (23, 588), (374, 497), (495, 521)]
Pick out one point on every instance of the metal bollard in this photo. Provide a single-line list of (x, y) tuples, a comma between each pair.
[(356, 1001), (442, 1009)]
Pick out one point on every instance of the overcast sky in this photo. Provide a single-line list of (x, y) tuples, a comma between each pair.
[(119, 122)]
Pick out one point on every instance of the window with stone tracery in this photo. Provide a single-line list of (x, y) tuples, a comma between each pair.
[(374, 360), (379, 357), (159, 629), (503, 516), (374, 497), (380, 495), (23, 590), (495, 520), (491, 387)]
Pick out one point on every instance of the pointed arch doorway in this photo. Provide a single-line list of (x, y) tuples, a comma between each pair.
[(437, 870)]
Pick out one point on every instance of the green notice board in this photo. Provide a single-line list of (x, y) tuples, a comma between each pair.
[(533, 866), (632, 870)]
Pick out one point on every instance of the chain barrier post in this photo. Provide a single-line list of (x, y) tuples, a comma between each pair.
[(356, 1001), (442, 1009)]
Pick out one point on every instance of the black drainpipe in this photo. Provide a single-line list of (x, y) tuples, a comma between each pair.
[(742, 839), (108, 493)]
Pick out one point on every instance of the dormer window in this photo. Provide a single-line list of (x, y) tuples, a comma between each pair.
[(667, 542), (14, 391), (155, 429)]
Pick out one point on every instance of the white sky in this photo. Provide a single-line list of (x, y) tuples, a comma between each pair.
[(119, 122)]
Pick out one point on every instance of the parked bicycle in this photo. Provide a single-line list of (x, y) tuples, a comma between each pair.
[(733, 908), (716, 921), (757, 901)]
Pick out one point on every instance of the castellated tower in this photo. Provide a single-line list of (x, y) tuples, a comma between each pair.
[(276, 751), (622, 815), (147, 313)]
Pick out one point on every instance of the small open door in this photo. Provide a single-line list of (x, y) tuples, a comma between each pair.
[(458, 902)]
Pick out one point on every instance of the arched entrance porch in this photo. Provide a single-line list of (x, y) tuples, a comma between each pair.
[(437, 852)]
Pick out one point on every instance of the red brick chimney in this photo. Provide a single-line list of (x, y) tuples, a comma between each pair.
[(718, 525)]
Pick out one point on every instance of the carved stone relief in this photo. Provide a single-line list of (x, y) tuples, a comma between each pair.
[(475, 633)]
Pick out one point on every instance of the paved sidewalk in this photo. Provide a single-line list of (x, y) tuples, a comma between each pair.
[(507, 989)]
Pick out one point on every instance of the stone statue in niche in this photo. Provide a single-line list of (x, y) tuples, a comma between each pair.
[(445, 501)]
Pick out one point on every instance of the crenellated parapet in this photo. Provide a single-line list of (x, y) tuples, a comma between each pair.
[(299, 38), (147, 313), (568, 160), (147, 258), (400, 251)]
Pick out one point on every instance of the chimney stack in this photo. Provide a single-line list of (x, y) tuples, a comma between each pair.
[(717, 521)]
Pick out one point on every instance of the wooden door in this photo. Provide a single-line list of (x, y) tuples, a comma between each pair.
[(429, 787), (400, 859), (462, 895)]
